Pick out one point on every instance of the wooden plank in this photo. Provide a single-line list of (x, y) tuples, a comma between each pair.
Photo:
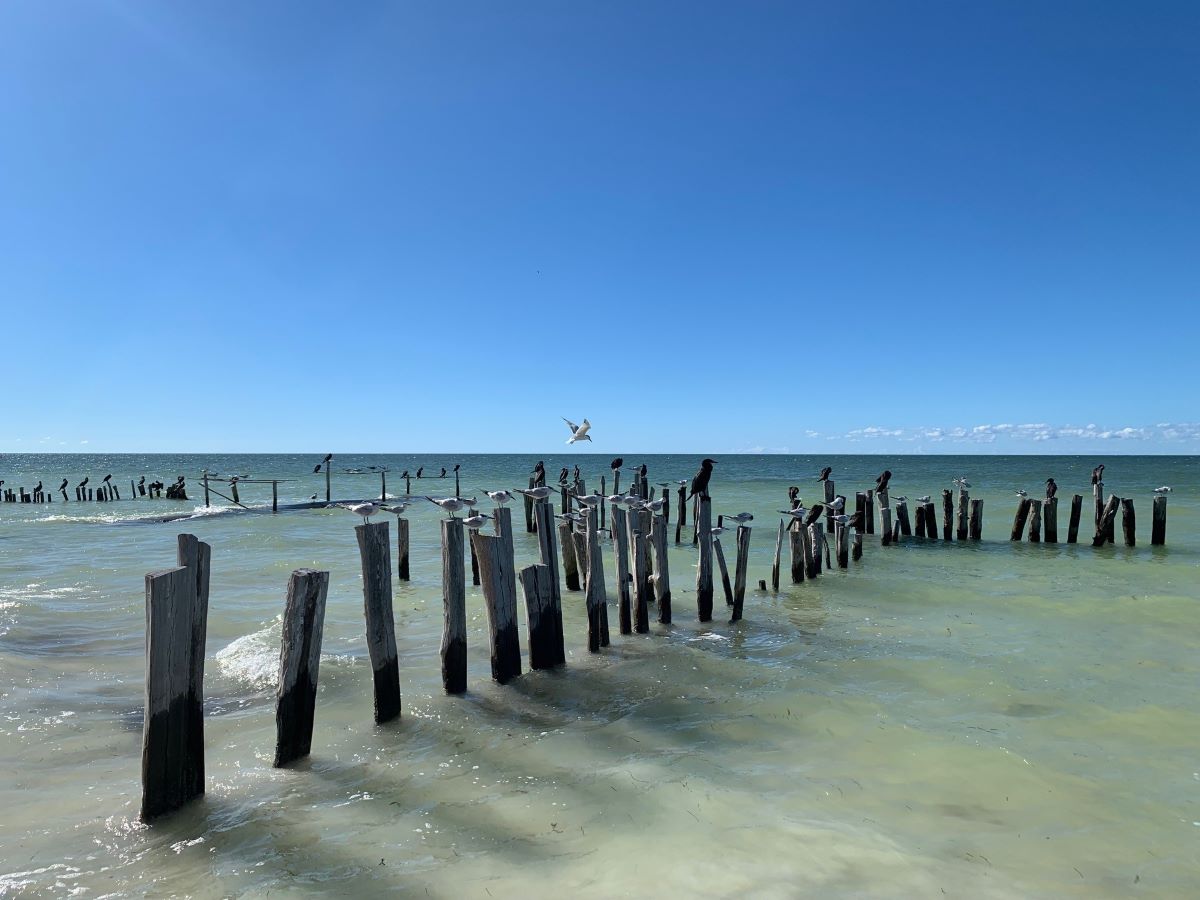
[(1128, 522), (501, 606), (1073, 522), (726, 586), (1022, 514), (546, 648), (1158, 521), (374, 548), (299, 664), (704, 571), (454, 609), (739, 571)]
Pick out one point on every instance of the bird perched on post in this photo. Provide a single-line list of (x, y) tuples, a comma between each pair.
[(1098, 474), (825, 473), (1022, 494), (443, 474), (539, 471), (641, 470), (814, 514), (1051, 488), (562, 475), (578, 432), (537, 493), (856, 521), (366, 510), (881, 482), (63, 486), (793, 494), (617, 463), (324, 462), (701, 478), (420, 470), (741, 518), (499, 497), (449, 504)]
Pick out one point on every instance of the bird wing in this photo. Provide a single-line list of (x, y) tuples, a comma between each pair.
[(582, 429), (574, 428)]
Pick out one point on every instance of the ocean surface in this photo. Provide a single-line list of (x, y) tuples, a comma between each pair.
[(975, 720)]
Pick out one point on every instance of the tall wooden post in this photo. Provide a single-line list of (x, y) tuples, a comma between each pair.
[(546, 648), (596, 596), (662, 569), (947, 515), (885, 518), (1158, 521), (682, 520), (274, 496), (566, 544), (799, 560), (299, 664), (902, 518), (842, 545), (1050, 519), (1128, 522), (374, 547), (975, 525), (402, 548), (778, 553), (829, 496), (1035, 520), (501, 605), (739, 571), (204, 479), (1073, 522), (1105, 526), (964, 502), (601, 505), (619, 519), (1022, 514), (704, 573), (641, 576), (869, 518), (328, 485)]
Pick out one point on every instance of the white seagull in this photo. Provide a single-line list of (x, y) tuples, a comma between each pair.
[(838, 502), (589, 499), (1162, 490), (469, 502), (578, 432), (500, 497), (449, 504), (366, 510), (538, 493), (397, 508), (962, 482), (476, 521), (1022, 494), (716, 531), (656, 506), (741, 518), (924, 499)]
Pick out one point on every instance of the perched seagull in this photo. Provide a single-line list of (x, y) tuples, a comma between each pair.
[(663, 484), (838, 502), (842, 519), (366, 510), (798, 513), (962, 482), (682, 482), (1162, 490), (701, 478), (656, 506), (469, 502), (924, 499), (825, 473), (633, 501), (578, 432), (476, 521), (900, 499), (449, 504), (571, 517), (500, 497), (1022, 494), (1051, 488), (1098, 474), (589, 499), (741, 518), (717, 531), (614, 498), (881, 482), (538, 493), (397, 508)]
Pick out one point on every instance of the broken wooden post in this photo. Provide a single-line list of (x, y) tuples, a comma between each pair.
[(299, 664), (806, 550), (546, 648), (596, 593), (902, 518), (567, 547), (173, 727), (1073, 522), (474, 566), (704, 573), (869, 518), (778, 552), (1050, 519), (798, 558), (274, 496), (233, 489), (719, 551), (620, 533), (402, 548), (829, 498), (374, 548), (1098, 501), (739, 571), (1022, 514), (501, 606), (529, 506), (1105, 526), (947, 515), (682, 520), (856, 546), (543, 523), (662, 569), (641, 575), (1128, 522), (975, 523), (1158, 521), (860, 505), (842, 546), (964, 502), (817, 539), (919, 524), (885, 518), (1110, 527), (1035, 520)]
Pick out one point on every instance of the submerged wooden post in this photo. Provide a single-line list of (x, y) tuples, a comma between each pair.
[(546, 648), (1105, 525), (402, 548), (641, 576), (662, 569), (885, 518), (704, 573), (964, 501), (1022, 514), (1050, 519), (975, 524), (869, 518), (596, 596), (1073, 522), (500, 604), (374, 548), (719, 552), (856, 547), (1035, 520), (947, 515), (569, 564), (619, 519), (1128, 522), (299, 664), (173, 727), (842, 546), (1158, 521), (798, 558), (739, 571), (778, 552), (902, 518)]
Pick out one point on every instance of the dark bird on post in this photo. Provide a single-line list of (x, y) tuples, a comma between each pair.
[(881, 482), (108, 478), (316, 468), (63, 486), (420, 470), (1098, 474), (456, 466), (1051, 488), (814, 514), (443, 475), (793, 493), (825, 473), (539, 471), (700, 479), (616, 463), (562, 475), (84, 482), (37, 487), (404, 474), (575, 474), (641, 470), (856, 521)]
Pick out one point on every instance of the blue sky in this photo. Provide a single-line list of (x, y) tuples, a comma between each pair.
[(854, 226)]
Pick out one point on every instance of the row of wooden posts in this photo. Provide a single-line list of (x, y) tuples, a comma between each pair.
[(106, 492), (1042, 514)]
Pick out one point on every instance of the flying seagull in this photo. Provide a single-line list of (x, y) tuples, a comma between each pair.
[(962, 482), (700, 479), (578, 432)]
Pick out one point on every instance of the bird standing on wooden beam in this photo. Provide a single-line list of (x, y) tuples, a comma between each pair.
[(701, 478)]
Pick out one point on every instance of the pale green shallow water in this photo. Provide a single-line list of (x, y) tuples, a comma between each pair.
[(992, 720)]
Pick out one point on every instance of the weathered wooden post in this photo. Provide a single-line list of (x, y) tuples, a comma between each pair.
[(641, 576), (1105, 526), (374, 548), (829, 498), (682, 521), (601, 505), (328, 484), (596, 596), (778, 553), (1022, 514), (704, 573), (902, 518), (739, 571), (204, 480), (964, 502), (1128, 522), (474, 564), (570, 566), (869, 518), (173, 727), (620, 533), (274, 496), (402, 548), (919, 524), (662, 569), (1158, 521), (817, 539), (546, 648), (529, 526), (1098, 500), (799, 560), (719, 552), (947, 515), (501, 605), (885, 517), (383, 485), (806, 551), (233, 490), (1073, 522), (299, 664), (860, 505), (1035, 520), (1110, 527), (1050, 519), (842, 545), (856, 547)]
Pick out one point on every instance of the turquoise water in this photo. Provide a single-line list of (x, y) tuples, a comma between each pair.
[(987, 720)]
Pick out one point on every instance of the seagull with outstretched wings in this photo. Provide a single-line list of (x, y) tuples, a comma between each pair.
[(578, 432)]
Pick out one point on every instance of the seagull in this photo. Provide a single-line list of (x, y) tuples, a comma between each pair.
[(962, 482), (798, 513), (578, 432), (500, 498), (633, 501), (716, 531), (700, 479), (1098, 474), (881, 482), (589, 499), (1163, 490), (839, 502), (571, 517), (663, 484), (741, 518), (825, 473), (313, 497), (538, 493), (1051, 488), (366, 510), (842, 519), (468, 502), (655, 506), (476, 521), (449, 504), (1022, 494), (924, 499), (900, 499)]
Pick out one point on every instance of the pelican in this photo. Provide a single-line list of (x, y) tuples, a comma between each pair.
[(578, 432)]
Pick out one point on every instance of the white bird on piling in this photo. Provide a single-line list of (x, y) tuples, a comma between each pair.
[(366, 509), (798, 513), (476, 521), (571, 517), (589, 499), (656, 506), (741, 518), (838, 502), (962, 482), (538, 493), (449, 504), (1022, 494), (469, 502), (500, 498), (842, 519), (578, 432), (615, 498), (924, 499), (717, 530), (397, 508), (1162, 490), (633, 501)]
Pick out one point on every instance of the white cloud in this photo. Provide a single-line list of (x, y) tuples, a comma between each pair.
[(1034, 432)]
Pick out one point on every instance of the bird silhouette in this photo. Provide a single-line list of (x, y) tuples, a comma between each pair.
[(825, 473), (1098, 474), (420, 470), (701, 478), (616, 463), (881, 482), (1051, 488)]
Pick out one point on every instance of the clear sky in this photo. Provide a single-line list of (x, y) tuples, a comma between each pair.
[(801, 226)]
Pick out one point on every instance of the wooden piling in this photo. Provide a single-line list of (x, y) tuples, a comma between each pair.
[(601, 505), (829, 498), (328, 485), (1110, 527), (819, 549), (546, 649), (569, 565), (775, 562), (662, 568), (1158, 521), (975, 523), (704, 573), (374, 547), (869, 518), (919, 524), (885, 518), (719, 552), (682, 520), (596, 593), (474, 565), (947, 515), (402, 548), (620, 533), (1128, 522), (1073, 522), (543, 520), (299, 664), (1107, 515), (1098, 501), (1050, 519), (842, 546), (798, 558), (860, 505), (501, 606), (806, 552), (964, 503), (1022, 514), (1035, 520), (856, 546), (529, 527), (274, 496), (739, 571), (173, 727), (641, 577), (204, 479), (902, 518)]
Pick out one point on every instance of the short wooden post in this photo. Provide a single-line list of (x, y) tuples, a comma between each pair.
[(807, 551), (274, 496), (1158, 521), (546, 648), (1035, 520), (739, 571), (402, 548), (902, 518), (778, 553), (860, 505), (374, 548), (204, 480), (869, 518), (817, 538), (1128, 522), (798, 558), (919, 524), (529, 506), (975, 524), (856, 548), (1022, 514), (719, 552), (173, 726), (964, 502), (1073, 522), (842, 545), (233, 490), (1105, 526), (885, 518), (1110, 527), (947, 515), (619, 520), (682, 520), (299, 664), (569, 565), (1098, 501), (704, 572), (1050, 519), (501, 606), (596, 592), (662, 568), (641, 577)]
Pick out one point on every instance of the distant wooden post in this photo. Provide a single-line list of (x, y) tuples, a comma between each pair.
[(546, 648), (641, 576), (1158, 521), (567, 547), (1035, 520), (274, 496), (975, 524), (704, 573), (596, 596), (1050, 519), (1022, 514), (407, 485), (860, 505), (299, 664), (501, 606), (328, 485), (856, 546), (778, 553), (1128, 522), (383, 486), (402, 548), (1073, 522), (682, 520), (739, 571), (1098, 500), (620, 533), (902, 518), (132, 491), (964, 502), (1105, 525), (798, 558), (817, 538), (719, 552), (947, 515), (601, 505), (885, 518), (457, 486), (662, 569), (806, 552), (869, 518), (374, 548), (204, 479), (529, 506), (173, 726), (919, 524)]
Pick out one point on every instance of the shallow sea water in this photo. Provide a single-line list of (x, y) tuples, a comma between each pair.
[(976, 720)]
